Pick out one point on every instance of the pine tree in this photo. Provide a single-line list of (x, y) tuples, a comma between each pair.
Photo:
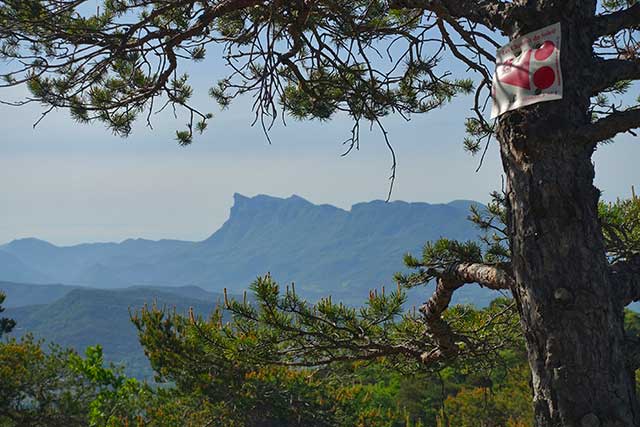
[(6, 324), (369, 59)]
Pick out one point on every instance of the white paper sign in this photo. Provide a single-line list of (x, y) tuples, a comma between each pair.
[(527, 71)]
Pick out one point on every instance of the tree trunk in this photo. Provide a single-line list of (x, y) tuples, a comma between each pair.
[(572, 321)]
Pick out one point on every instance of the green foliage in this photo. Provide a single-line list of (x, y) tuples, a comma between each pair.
[(113, 389), (60, 388), (38, 388), (631, 323), (121, 401), (479, 133), (300, 355), (286, 319), (6, 325), (54, 387), (505, 404), (491, 223), (611, 5), (222, 368), (621, 227), (219, 376), (437, 256), (235, 390)]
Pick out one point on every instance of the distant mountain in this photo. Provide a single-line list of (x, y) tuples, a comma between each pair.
[(92, 264), (324, 249), (84, 317), (13, 269), (22, 294)]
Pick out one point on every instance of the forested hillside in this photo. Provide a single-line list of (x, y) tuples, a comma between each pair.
[(87, 317)]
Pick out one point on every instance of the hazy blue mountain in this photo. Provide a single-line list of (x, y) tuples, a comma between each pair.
[(324, 249), (84, 317), (93, 264), (22, 294), (13, 269)]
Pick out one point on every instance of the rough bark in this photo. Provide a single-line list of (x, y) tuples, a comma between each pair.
[(490, 276), (571, 318)]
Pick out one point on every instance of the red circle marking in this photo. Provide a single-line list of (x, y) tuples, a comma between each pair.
[(544, 77), (545, 50)]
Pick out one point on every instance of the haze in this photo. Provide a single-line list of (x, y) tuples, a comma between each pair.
[(69, 183)]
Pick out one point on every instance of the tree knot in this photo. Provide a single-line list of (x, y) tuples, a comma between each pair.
[(563, 295), (590, 420)]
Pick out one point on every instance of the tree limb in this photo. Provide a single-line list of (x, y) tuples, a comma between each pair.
[(608, 73), (613, 22), (448, 282), (493, 277), (440, 331), (626, 279), (610, 126), (490, 13), (472, 64)]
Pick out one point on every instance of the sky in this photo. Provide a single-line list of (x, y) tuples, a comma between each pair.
[(68, 183)]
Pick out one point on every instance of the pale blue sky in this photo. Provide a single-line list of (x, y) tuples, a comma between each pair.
[(70, 183)]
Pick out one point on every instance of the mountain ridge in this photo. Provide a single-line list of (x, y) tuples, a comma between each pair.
[(323, 248), (237, 197)]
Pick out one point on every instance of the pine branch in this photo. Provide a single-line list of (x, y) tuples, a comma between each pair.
[(287, 55), (490, 13), (6, 324), (448, 282), (326, 332), (626, 279), (611, 125), (440, 331), (612, 23), (608, 73)]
